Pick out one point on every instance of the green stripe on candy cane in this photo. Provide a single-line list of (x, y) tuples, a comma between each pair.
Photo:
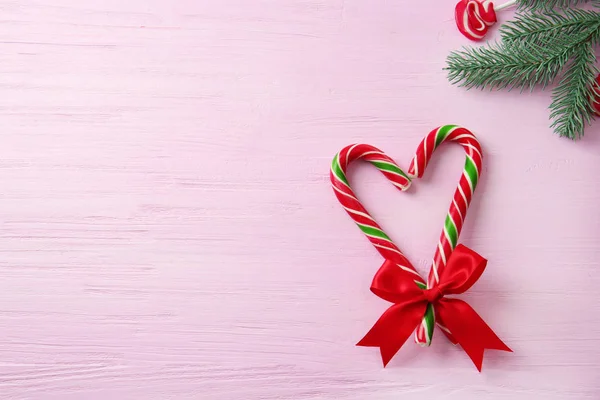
[(451, 231), (382, 165), (428, 324), (443, 133), (337, 170), (471, 172), (371, 231)]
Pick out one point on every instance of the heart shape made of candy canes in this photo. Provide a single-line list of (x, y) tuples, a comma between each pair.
[(454, 219)]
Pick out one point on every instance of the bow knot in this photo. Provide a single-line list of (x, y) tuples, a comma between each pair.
[(462, 324), (433, 295)]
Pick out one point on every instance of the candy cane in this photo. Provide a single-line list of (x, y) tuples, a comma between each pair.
[(357, 212), (402, 181), (458, 208)]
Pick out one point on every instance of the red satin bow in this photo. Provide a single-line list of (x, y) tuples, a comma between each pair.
[(391, 283)]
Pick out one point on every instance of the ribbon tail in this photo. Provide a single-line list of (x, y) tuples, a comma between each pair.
[(469, 330), (393, 328)]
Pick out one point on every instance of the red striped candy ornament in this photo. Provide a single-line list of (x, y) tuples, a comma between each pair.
[(454, 219), (475, 17)]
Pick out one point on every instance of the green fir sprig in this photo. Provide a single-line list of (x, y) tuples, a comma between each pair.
[(571, 99), (535, 49), (538, 28), (550, 4)]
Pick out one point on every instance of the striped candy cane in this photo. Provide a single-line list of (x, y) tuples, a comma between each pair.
[(458, 208), (402, 181), (357, 212)]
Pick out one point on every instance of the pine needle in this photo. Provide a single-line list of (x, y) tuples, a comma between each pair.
[(538, 28), (571, 104), (550, 4), (501, 66)]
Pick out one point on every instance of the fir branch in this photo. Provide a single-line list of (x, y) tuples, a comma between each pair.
[(551, 4), (518, 64), (536, 47), (544, 27), (571, 105)]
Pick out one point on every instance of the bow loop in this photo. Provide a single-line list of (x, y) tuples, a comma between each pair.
[(463, 269), (395, 284)]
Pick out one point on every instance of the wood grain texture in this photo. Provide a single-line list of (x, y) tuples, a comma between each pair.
[(168, 230)]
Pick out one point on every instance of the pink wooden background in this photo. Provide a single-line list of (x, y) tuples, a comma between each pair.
[(168, 230)]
